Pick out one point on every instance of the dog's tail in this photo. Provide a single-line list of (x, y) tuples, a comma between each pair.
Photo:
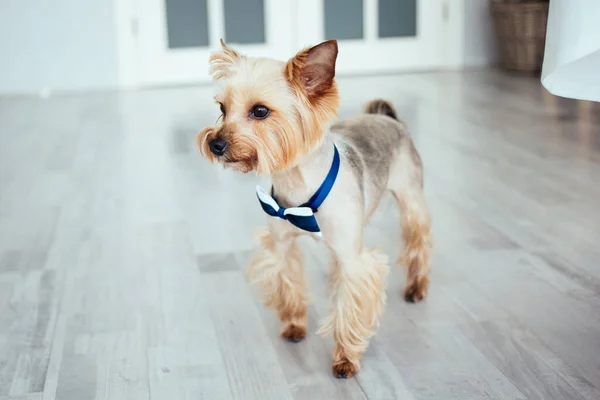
[(380, 106)]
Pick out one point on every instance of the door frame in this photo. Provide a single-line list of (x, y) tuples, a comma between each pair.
[(127, 24), (125, 16)]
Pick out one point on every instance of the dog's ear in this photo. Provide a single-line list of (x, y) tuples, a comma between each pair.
[(221, 62), (314, 68)]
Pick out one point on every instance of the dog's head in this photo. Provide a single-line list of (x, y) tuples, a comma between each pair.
[(272, 112)]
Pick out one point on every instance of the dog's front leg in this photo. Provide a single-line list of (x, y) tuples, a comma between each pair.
[(358, 278), (277, 269)]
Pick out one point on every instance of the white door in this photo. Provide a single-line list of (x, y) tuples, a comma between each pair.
[(378, 35), (175, 37)]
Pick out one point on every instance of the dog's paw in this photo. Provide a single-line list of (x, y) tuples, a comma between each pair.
[(344, 369), (417, 290), (294, 333)]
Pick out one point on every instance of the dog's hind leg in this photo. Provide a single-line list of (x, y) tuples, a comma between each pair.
[(406, 183), (277, 269)]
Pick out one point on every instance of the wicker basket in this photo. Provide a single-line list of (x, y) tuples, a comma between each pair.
[(521, 33)]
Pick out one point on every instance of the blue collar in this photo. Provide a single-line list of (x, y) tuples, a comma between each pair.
[(303, 216)]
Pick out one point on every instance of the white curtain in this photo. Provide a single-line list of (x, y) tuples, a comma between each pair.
[(572, 57)]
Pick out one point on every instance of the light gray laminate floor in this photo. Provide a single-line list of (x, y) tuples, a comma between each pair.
[(122, 252)]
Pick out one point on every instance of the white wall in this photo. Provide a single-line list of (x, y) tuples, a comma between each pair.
[(57, 44), (480, 43)]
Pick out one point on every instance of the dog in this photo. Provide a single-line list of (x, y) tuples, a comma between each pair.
[(280, 119)]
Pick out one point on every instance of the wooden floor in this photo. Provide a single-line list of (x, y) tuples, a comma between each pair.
[(122, 253)]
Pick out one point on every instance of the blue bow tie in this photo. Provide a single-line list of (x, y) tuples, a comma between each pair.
[(302, 217)]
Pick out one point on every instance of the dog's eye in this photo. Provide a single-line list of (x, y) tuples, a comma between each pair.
[(259, 112), (222, 107)]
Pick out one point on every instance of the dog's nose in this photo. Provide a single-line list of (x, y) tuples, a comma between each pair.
[(217, 146)]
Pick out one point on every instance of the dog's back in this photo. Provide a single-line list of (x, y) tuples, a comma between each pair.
[(373, 143)]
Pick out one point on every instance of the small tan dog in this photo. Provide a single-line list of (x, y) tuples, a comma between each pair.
[(278, 120)]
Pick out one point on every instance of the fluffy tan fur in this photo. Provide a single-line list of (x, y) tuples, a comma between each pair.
[(221, 63), (417, 245), (273, 144), (358, 299), (318, 104), (277, 270)]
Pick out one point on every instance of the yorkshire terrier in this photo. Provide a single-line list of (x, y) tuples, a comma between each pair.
[(278, 119)]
